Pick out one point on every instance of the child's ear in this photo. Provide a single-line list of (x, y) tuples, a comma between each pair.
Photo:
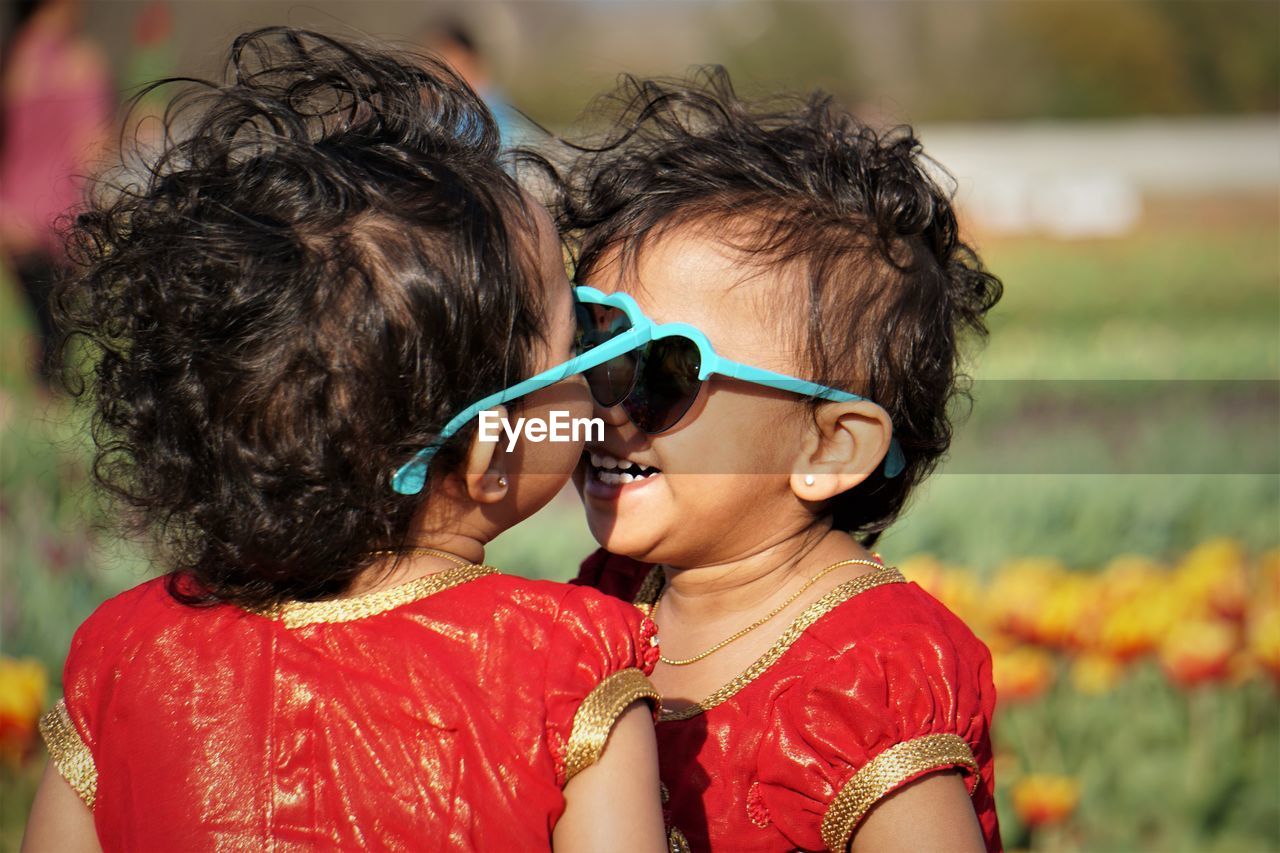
[(845, 444), (484, 472)]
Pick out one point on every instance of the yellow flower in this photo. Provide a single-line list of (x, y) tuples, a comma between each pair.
[(1213, 579), (1198, 652), (1127, 578), (1094, 674), (1264, 639), (22, 691), (1067, 614), (926, 570), (1043, 799), (1019, 593), (1140, 625), (1022, 674), (1269, 577)]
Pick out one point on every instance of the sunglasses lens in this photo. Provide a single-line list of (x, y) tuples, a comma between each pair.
[(666, 386), (597, 324)]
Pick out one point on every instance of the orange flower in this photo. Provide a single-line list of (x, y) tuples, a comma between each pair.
[(1041, 800), (1066, 616), (1022, 674), (1213, 578), (22, 689), (1019, 593), (1198, 652), (1138, 626), (956, 587)]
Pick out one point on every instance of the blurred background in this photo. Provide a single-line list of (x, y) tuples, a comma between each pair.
[(1109, 520)]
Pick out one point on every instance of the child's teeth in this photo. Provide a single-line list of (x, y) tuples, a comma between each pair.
[(597, 460), (625, 478), (609, 462)]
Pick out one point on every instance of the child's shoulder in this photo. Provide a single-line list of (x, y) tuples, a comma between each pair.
[(890, 686), (887, 606), (560, 601), (131, 612)]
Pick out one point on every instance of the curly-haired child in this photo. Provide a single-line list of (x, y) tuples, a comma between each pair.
[(295, 320), (795, 293)]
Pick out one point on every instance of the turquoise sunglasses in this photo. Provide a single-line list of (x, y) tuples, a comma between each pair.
[(410, 477), (654, 371), (658, 381)]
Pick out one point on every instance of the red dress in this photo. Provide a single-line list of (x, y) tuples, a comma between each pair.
[(446, 713), (872, 686)]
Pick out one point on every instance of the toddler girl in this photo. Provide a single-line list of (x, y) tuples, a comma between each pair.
[(794, 293), (295, 320)]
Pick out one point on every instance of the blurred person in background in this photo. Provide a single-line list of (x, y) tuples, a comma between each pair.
[(58, 101), (453, 43)]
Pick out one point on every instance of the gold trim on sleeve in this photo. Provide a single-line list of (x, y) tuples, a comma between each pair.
[(676, 842), (597, 714), (847, 590), (69, 753), (298, 614), (883, 774)]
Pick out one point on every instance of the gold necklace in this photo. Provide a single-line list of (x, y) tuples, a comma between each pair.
[(444, 555), (653, 612)]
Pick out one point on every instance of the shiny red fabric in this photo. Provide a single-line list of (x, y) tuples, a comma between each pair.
[(758, 771), (438, 724)]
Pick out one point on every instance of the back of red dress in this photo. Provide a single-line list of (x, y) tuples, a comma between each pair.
[(439, 714)]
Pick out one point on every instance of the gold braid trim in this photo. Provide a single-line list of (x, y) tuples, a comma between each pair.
[(69, 753), (597, 714), (298, 614), (883, 774), (652, 587), (676, 842)]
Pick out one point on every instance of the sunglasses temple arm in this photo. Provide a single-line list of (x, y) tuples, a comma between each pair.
[(894, 460), (410, 477)]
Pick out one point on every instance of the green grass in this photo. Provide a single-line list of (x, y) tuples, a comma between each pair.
[(1170, 304)]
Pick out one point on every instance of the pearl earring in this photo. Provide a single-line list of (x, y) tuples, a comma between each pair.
[(502, 482), (808, 479)]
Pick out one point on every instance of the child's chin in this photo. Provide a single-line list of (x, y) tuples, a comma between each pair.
[(625, 540)]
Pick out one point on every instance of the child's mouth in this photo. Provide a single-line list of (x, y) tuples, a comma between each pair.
[(611, 471)]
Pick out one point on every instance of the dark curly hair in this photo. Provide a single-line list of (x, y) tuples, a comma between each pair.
[(325, 262), (889, 286)]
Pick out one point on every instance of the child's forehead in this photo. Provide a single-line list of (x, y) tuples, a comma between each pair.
[(705, 277)]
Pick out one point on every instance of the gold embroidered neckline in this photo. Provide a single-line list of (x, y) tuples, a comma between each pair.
[(297, 614), (651, 588)]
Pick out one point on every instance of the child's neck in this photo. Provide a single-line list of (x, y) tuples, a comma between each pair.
[(390, 572), (740, 585)]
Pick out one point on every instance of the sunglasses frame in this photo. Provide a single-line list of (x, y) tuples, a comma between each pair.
[(411, 477), (711, 363)]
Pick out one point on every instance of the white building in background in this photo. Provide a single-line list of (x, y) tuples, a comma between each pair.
[(1089, 179)]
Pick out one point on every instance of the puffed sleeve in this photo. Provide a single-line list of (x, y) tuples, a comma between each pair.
[(602, 652), (70, 729), (890, 708)]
